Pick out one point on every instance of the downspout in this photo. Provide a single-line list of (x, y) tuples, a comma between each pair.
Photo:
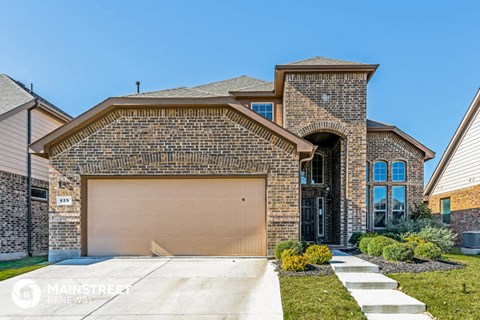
[(309, 158), (29, 179)]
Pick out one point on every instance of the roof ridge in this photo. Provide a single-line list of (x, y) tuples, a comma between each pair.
[(224, 80), (328, 59), (169, 89)]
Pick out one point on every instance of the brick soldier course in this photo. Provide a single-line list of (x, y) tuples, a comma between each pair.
[(209, 131)]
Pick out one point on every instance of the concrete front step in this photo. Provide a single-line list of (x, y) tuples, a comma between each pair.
[(366, 281), (342, 262), (383, 316), (387, 302)]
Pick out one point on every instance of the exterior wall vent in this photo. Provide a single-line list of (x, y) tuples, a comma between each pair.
[(471, 239)]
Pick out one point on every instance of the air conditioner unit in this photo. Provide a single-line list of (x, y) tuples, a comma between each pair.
[(471, 239)]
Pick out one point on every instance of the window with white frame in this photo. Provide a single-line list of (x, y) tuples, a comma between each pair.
[(398, 203), (398, 171), (379, 206), (264, 109), (380, 171)]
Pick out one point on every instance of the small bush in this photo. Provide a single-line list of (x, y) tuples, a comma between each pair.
[(289, 244), (413, 237), (421, 211), (294, 263), (376, 245), (442, 237), (428, 251), (405, 226), (356, 237), (412, 244), (398, 252), (363, 245), (288, 253), (393, 236), (317, 254)]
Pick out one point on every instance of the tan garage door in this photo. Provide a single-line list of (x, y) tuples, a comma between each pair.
[(216, 217)]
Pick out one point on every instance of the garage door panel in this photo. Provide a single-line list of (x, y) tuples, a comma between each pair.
[(176, 217)]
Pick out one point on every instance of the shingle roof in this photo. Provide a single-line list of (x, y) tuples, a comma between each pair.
[(11, 94), (376, 124), (14, 94), (214, 89), (322, 61)]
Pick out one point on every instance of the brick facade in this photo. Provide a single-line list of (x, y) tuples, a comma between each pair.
[(172, 141), (464, 208), (335, 103), (13, 217), (389, 147)]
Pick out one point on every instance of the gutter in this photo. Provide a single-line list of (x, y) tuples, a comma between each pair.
[(309, 158), (29, 179)]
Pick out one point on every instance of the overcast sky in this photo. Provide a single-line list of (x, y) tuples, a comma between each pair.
[(78, 53)]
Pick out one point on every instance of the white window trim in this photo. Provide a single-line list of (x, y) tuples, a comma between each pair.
[(404, 170), (40, 199), (404, 202), (267, 102), (375, 210), (386, 171), (322, 200), (323, 170)]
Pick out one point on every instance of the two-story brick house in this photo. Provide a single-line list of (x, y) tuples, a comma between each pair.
[(231, 167)]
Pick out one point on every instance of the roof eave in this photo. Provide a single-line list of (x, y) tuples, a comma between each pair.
[(281, 69), (429, 154), (252, 94), (453, 145)]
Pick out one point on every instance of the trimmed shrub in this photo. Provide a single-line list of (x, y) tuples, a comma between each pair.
[(289, 253), (376, 245), (356, 237), (442, 237), (412, 244), (413, 237), (294, 263), (398, 252), (363, 245), (317, 254), (289, 244), (428, 251)]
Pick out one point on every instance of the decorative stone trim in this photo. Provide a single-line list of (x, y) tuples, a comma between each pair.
[(126, 162), (325, 126)]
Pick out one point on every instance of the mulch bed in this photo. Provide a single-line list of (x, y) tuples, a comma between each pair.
[(312, 270), (416, 266)]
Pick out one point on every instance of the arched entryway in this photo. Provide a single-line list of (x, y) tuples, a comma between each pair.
[(322, 185)]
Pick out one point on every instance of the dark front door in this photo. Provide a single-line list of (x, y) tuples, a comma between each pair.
[(307, 220)]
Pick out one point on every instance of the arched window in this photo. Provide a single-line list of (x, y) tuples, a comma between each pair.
[(380, 171), (398, 171)]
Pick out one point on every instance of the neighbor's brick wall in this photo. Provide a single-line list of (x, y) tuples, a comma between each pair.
[(464, 207), (13, 215), (389, 147), (173, 141), (334, 102)]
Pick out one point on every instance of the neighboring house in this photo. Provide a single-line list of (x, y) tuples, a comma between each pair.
[(231, 167), (24, 117), (454, 188)]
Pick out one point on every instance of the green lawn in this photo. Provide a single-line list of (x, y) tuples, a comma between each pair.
[(322, 297), (448, 294), (13, 268)]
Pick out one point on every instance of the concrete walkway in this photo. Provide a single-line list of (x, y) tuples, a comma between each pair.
[(375, 293), (150, 288)]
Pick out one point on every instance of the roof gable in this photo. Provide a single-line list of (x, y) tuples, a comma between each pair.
[(323, 61), (12, 95), (462, 152)]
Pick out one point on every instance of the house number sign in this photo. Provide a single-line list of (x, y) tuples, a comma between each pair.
[(64, 201)]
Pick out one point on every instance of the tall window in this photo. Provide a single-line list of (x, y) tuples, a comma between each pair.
[(264, 109), (303, 176), (367, 171), (398, 171), (445, 210), (379, 206), (317, 169), (398, 202), (380, 171)]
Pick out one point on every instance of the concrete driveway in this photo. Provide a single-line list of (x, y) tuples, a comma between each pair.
[(145, 288)]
